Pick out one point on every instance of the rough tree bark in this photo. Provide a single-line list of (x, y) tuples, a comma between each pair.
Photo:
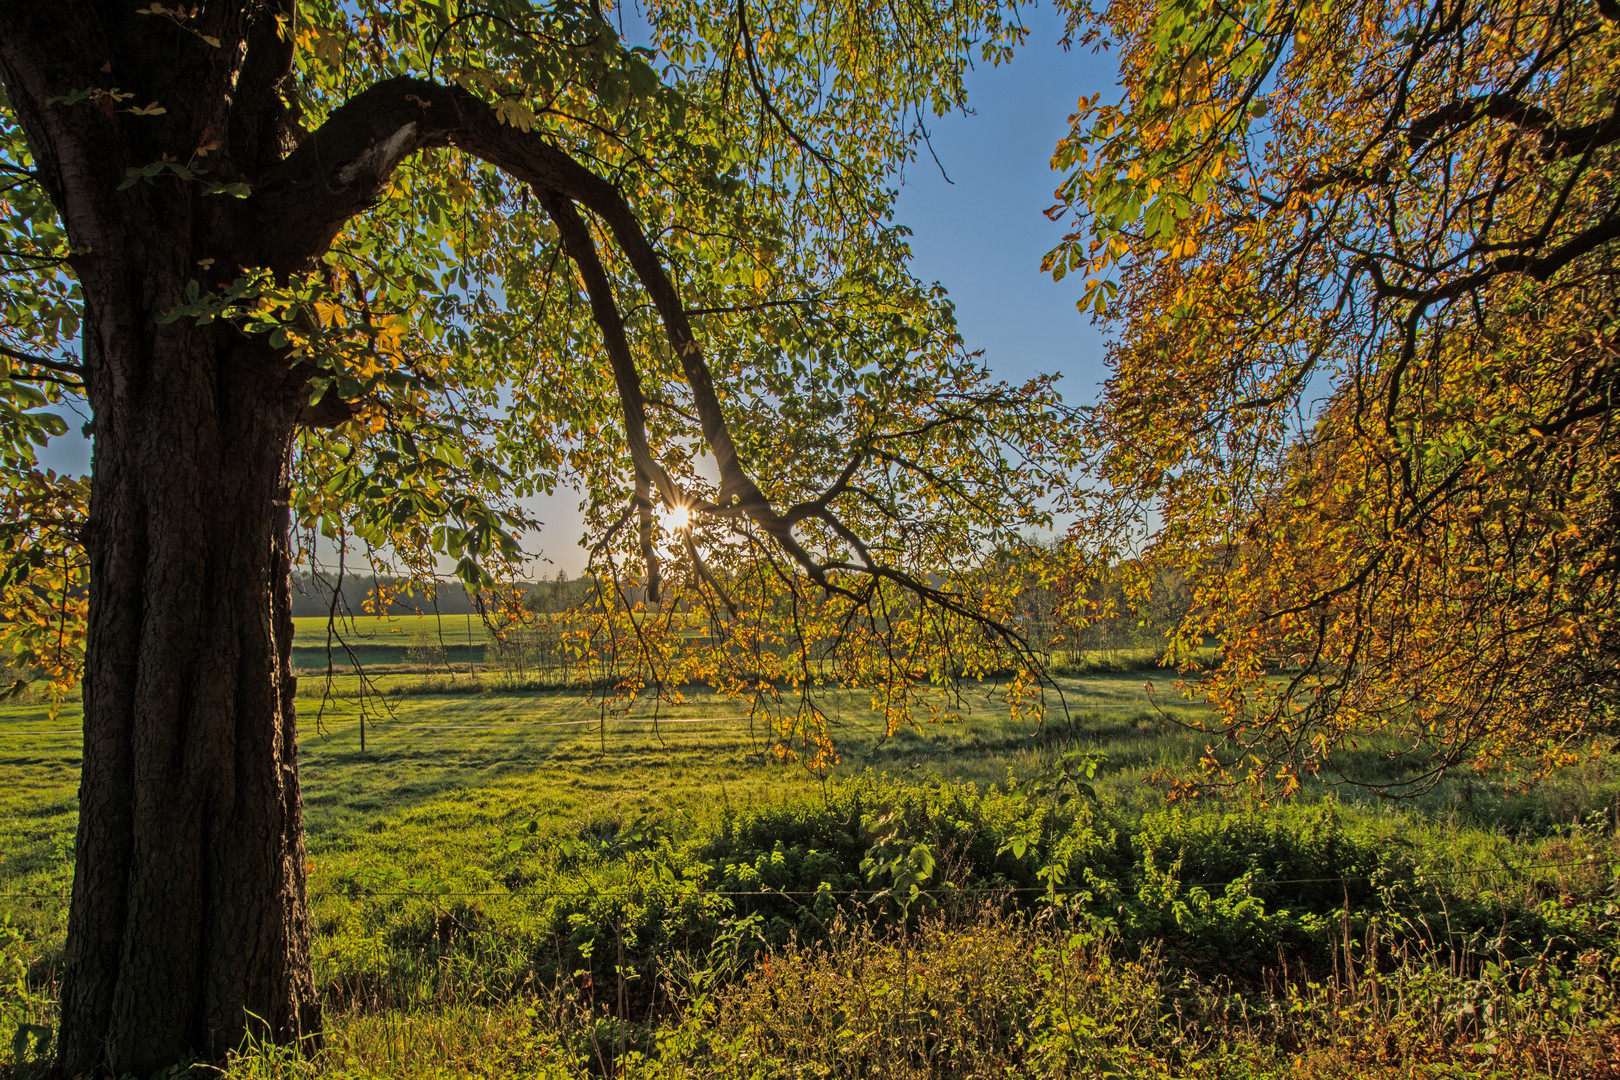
[(188, 908)]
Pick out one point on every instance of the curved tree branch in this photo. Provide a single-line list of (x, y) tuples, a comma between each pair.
[(340, 169)]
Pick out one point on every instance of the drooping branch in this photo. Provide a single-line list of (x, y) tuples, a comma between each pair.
[(738, 491), (764, 93), (581, 248), (577, 240), (644, 537), (340, 169)]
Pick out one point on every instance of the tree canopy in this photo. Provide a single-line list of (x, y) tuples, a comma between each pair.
[(1361, 262), (378, 272), (582, 262)]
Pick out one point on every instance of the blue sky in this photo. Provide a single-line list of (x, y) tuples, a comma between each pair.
[(982, 234)]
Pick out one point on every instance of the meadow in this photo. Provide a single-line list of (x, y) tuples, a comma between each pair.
[(540, 882)]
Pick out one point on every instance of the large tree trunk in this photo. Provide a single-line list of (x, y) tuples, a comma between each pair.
[(188, 927), (188, 909)]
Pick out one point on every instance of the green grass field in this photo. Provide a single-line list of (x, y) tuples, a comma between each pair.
[(494, 864), (390, 643), (455, 645), (310, 631), (579, 752)]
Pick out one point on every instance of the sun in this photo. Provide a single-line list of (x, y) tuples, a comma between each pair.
[(677, 518)]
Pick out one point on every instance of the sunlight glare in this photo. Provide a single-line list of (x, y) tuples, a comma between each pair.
[(677, 518)]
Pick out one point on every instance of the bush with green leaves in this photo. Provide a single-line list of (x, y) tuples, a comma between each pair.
[(1220, 890)]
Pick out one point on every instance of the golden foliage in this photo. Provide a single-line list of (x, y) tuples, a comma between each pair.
[(1365, 385), (43, 579)]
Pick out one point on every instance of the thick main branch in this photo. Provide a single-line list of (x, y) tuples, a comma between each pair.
[(342, 168)]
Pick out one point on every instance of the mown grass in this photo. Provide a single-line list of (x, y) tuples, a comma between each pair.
[(534, 883), (392, 643), (457, 645)]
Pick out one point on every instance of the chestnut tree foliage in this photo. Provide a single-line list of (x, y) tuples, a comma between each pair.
[(470, 343), (1361, 261), (379, 272)]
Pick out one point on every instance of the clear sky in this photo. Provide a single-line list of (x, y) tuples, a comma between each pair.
[(982, 234)]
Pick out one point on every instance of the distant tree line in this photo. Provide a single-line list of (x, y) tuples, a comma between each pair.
[(560, 594), (371, 595)]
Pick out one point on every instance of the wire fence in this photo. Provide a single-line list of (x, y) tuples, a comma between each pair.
[(376, 726)]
